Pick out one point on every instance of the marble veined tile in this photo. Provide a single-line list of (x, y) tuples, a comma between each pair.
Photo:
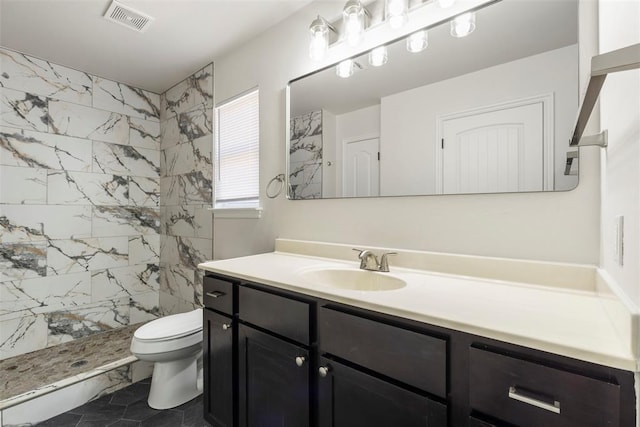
[(68, 256), (121, 98), (23, 110), (171, 304), (178, 220), (124, 281), (144, 249), (44, 78), (144, 133), (188, 157), (125, 160), (25, 186), (22, 298), (191, 188), (22, 335), (20, 261), (179, 281), (144, 191), (81, 188), (66, 325), (193, 91), (186, 127), (144, 307), (20, 223), (125, 221), (44, 150), (85, 122), (185, 251)]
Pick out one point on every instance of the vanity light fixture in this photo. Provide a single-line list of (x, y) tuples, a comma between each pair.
[(353, 18), (396, 12), (319, 43), (345, 68), (378, 56), (418, 41), (463, 25)]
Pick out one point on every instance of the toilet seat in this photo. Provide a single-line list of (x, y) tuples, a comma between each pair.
[(170, 327)]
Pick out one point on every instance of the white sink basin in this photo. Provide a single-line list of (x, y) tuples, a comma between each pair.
[(356, 280)]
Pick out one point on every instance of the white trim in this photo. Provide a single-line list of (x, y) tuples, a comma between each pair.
[(548, 134), (244, 213)]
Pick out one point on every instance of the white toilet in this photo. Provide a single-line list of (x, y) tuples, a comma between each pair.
[(174, 344)]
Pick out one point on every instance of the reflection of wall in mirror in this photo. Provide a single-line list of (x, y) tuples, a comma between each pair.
[(407, 163), (305, 156)]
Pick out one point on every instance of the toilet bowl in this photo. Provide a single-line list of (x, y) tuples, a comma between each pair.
[(174, 344)]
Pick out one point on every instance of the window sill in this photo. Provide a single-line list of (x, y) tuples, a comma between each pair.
[(247, 213)]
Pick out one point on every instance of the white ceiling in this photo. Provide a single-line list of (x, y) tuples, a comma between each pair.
[(185, 35)]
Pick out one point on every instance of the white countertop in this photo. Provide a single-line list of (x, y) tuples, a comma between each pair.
[(566, 321)]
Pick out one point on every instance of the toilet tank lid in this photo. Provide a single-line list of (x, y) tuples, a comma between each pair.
[(173, 326)]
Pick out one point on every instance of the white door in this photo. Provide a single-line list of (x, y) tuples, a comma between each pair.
[(494, 152), (361, 172)]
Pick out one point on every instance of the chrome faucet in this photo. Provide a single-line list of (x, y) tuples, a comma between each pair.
[(369, 261)]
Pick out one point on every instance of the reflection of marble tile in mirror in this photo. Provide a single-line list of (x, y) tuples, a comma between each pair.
[(522, 58)]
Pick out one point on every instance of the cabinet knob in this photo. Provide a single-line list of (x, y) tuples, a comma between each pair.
[(300, 360), (226, 326), (323, 371)]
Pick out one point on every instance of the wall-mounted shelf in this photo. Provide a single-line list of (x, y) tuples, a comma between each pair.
[(627, 58)]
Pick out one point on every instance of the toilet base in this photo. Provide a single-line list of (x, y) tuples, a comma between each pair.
[(174, 383)]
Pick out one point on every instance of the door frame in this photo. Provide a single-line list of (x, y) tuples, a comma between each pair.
[(548, 129), (343, 146)]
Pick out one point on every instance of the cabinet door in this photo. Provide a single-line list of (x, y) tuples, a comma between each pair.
[(218, 369), (350, 398), (274, 381)]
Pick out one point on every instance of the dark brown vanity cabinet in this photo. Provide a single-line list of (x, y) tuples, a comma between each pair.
[(274, 360), (219, 352), (397, 374), (278, 358)]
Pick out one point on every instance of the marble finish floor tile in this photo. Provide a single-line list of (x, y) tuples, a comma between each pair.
[(128, 407), (30, 371)]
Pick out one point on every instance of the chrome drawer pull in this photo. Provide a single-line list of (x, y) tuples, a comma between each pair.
[(215, 294), (552, 407)]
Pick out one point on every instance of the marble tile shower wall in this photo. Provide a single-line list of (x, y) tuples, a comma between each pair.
[(305, 153), (186, 175), (79, 204)]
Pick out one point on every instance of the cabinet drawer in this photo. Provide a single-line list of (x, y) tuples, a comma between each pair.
[(218, 294), (411, 357), (281, 315), (530, 394)]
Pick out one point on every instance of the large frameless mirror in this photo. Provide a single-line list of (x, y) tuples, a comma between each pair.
[(491, 112)]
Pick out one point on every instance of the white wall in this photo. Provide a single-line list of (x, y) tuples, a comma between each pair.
[(408, 163), (562, 226), (619, 23)]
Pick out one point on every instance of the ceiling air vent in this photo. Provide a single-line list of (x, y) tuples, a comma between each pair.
[(130, 18)]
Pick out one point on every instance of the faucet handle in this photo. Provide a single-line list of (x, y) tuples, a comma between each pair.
[(384, 262)]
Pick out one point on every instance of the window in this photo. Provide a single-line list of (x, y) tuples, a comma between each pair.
[(237, 153)]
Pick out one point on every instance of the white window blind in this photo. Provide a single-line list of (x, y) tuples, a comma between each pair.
[(237, 152)]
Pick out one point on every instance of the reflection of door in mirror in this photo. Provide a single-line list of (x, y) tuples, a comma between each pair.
[(361, 167), (499, 149)]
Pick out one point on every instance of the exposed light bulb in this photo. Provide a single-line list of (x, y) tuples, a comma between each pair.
[(463, 25), (353, 21), (345, 68), (446, 3), (418, 41), (319, 43), (396, 12), (378, 56)]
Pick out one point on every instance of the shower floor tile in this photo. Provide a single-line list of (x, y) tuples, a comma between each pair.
[(128, 407), (31, 371)]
